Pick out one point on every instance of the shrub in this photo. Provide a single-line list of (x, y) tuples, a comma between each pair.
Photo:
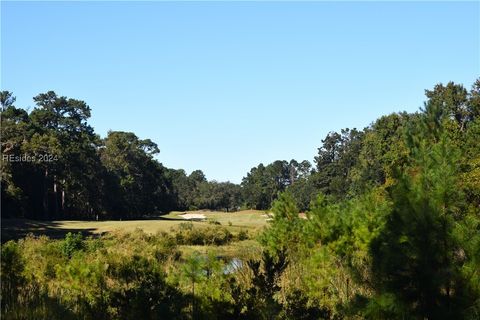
[(243, 235), (214, 222), (73, 242), (11, 274), (166, 247), (185, 226), (215, 235)]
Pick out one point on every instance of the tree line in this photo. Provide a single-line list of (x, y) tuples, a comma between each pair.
[(352, 161), (54, 166), (73, 172)]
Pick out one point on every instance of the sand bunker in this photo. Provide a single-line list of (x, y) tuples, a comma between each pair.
[(193, 216)]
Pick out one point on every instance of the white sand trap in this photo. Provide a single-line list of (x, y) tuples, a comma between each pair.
[(193, 216)]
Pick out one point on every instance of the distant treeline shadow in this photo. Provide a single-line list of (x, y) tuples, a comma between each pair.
[(14, 229)]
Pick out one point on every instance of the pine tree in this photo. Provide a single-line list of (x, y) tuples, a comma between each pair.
[(417, 259)]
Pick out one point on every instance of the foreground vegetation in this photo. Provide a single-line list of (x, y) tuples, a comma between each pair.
[(386, 227), (120, 276)]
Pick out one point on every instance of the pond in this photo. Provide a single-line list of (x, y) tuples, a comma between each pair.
[(233, 265)]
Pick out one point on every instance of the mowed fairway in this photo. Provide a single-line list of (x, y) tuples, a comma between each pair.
[(251, 220)]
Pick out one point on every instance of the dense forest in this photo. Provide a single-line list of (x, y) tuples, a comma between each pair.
[(389, 225), (54, 166)]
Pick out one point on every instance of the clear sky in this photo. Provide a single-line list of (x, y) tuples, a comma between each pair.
[(223, 86)]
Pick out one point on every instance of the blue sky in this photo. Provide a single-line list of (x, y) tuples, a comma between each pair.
[(223, 86)]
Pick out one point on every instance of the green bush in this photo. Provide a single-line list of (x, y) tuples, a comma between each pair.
[(243, 235), (117, 276), (186, 234), (73, 242), (214, 222), (11, 275), (185, 226)]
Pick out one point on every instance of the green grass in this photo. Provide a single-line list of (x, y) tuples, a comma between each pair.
[(251, 220)]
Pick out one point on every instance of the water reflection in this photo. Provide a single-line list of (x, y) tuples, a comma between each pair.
[(233, 265)]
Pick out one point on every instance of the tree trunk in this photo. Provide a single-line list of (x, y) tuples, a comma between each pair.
[(55, 194), (63, 196), (45, 194)]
